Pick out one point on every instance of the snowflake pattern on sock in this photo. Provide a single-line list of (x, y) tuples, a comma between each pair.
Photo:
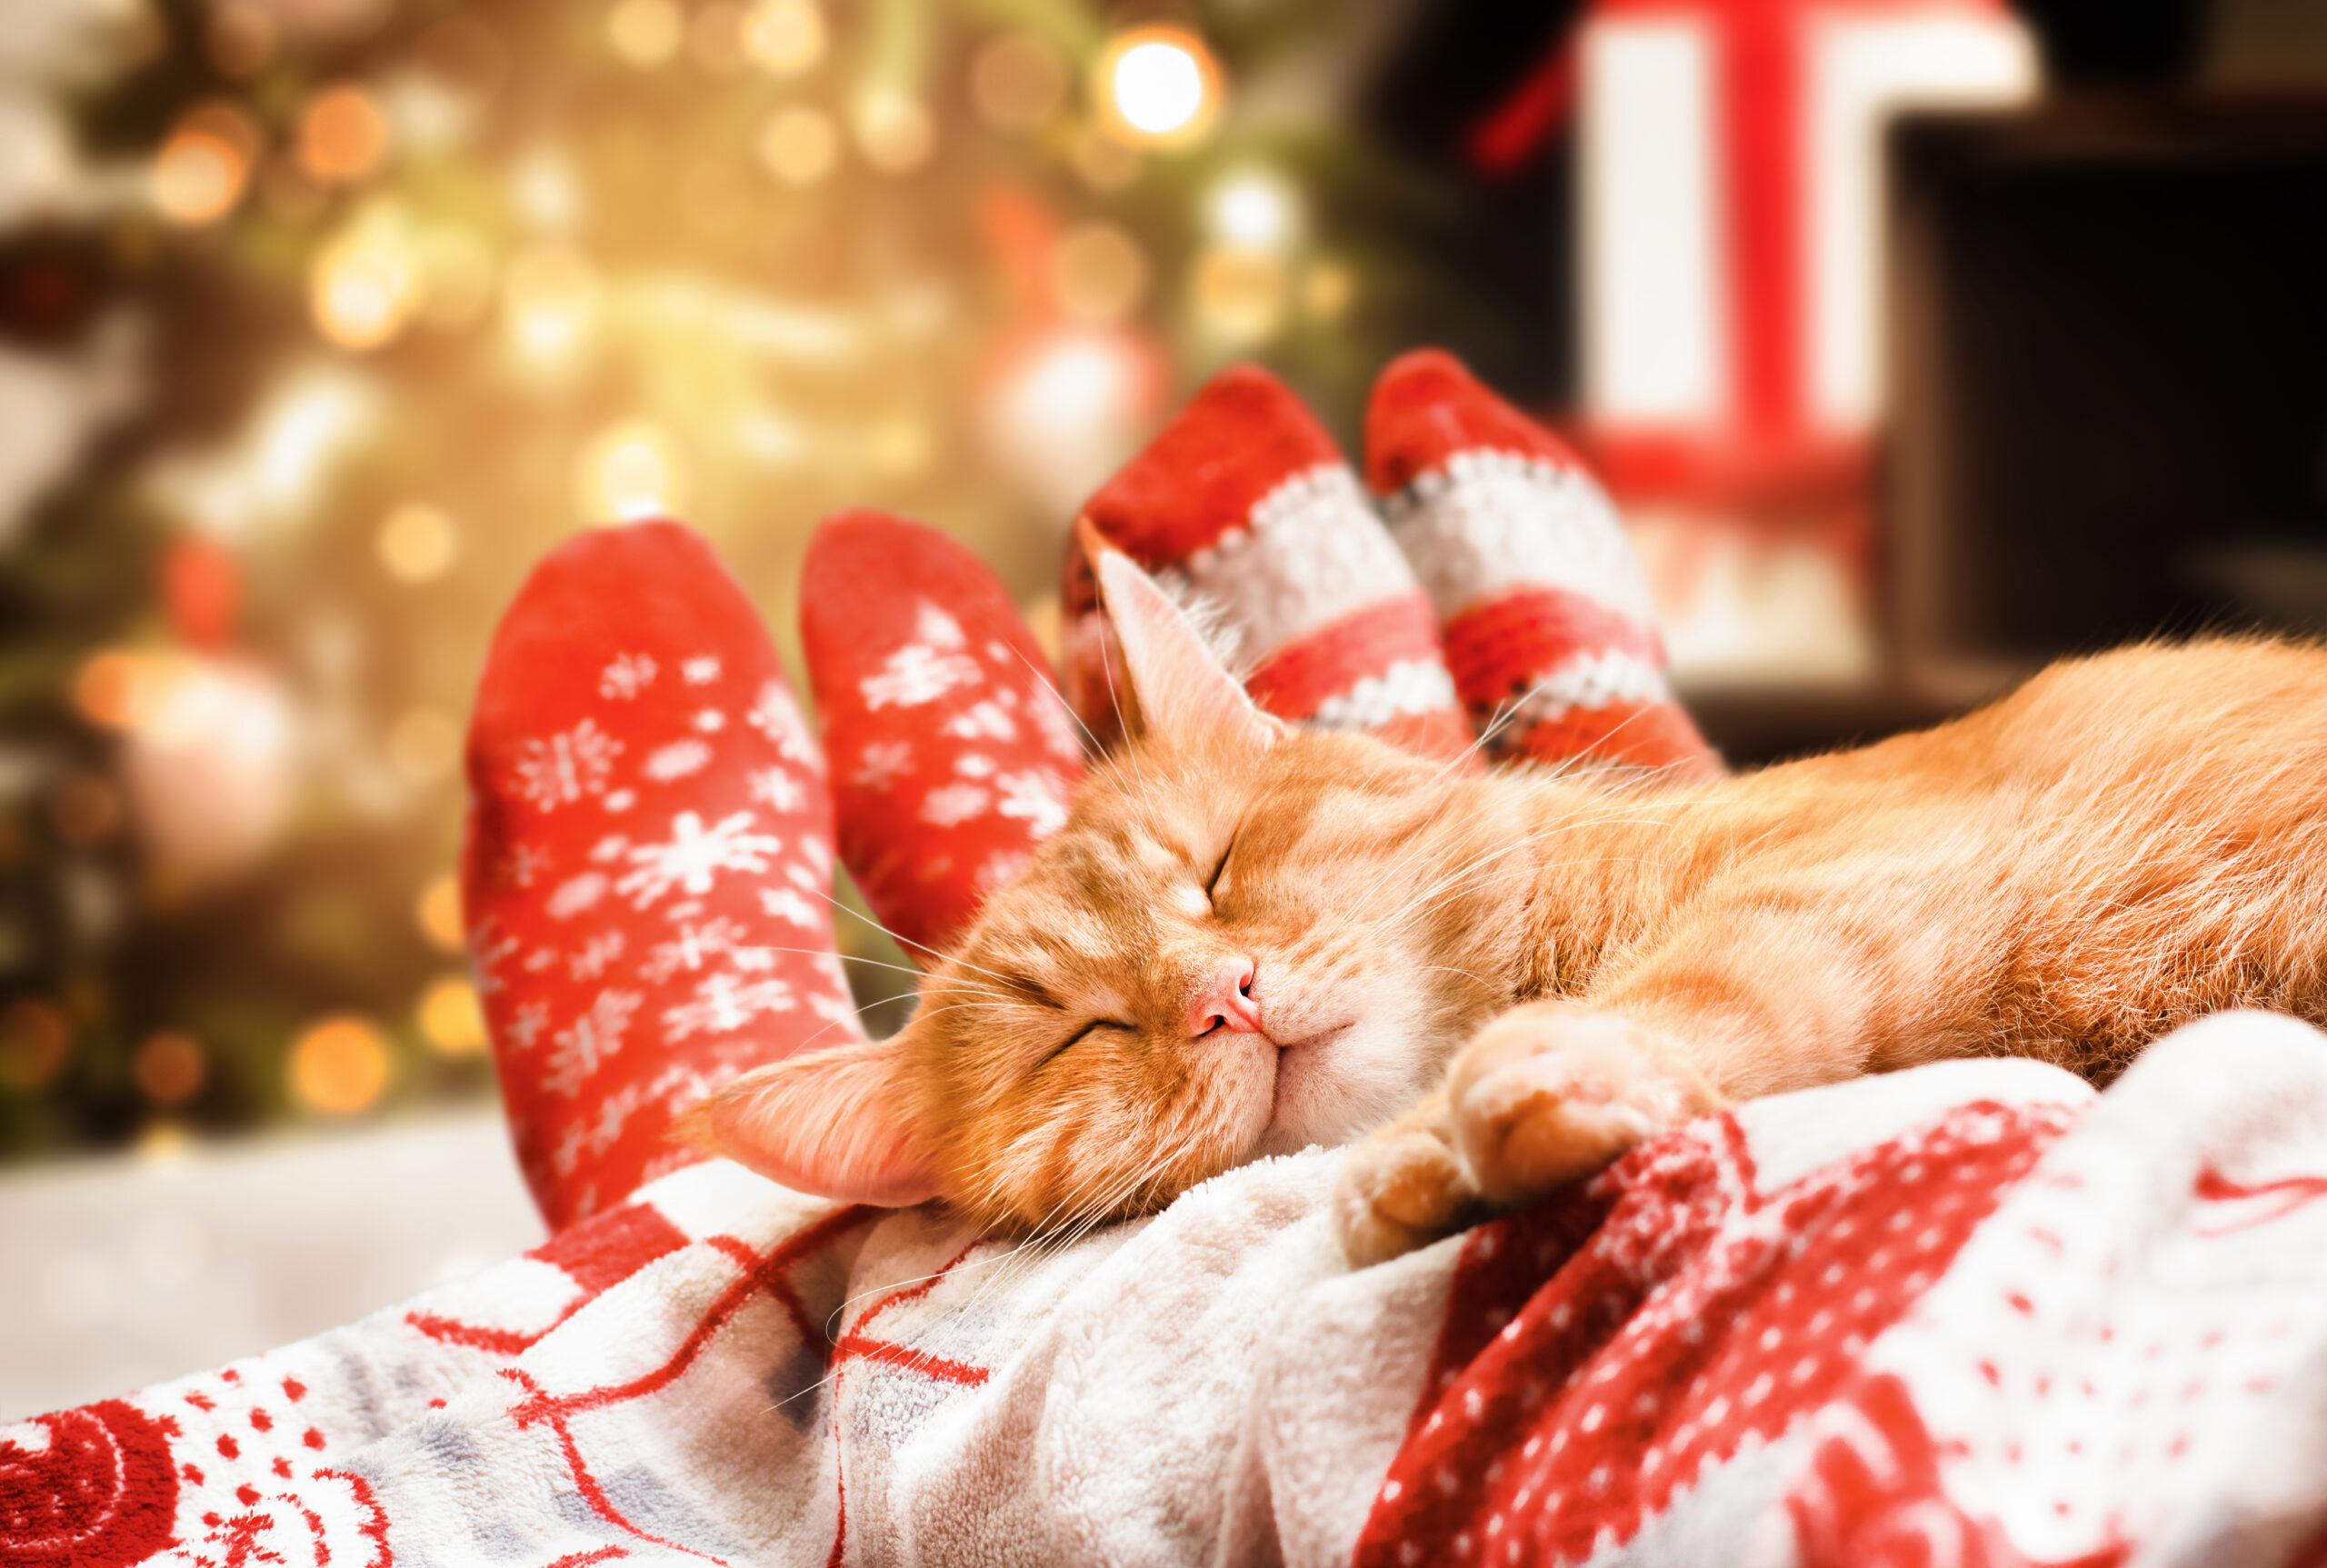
[(952, 754), (650, 858)]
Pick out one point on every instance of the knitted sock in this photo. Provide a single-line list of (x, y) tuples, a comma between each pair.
[(1244, 510), (648, 859), (953, 754), (1539, 595)]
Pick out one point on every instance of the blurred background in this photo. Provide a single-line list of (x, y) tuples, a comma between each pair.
[(1919, 341)]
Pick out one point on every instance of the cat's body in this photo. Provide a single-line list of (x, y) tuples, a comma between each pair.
[(1248, 939)]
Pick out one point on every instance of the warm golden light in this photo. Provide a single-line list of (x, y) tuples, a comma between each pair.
[(204, 165), (645, 33), (416, 542), (450, 1018), (115, 689), (1255, 209), (339, 1067), (784, 37), (550, 300), (894, 132), (630, 472), (799, 147), (197, 178), (437, 913), (364, 285), (169, 1068), (1159, 87), (1099, 271), (343, 136), (1329, 290), (1239, 296)]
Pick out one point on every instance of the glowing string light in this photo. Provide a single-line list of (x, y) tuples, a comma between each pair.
[(1159, 87)]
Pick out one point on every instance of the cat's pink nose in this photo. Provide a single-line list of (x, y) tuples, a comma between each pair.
[(1224, 1001)]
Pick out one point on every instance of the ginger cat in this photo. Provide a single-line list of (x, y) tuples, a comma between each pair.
[(1249, 938)]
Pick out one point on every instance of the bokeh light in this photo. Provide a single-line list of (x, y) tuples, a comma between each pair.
[(1328, 290), (450, 1018), (364, 285), (339, 1067), (116, 688), (799, 146), (1238, 295), (549, 299), (1099, 271), (437, 913), (415, 543), (784, 38), (343, 136), (1255, 209), (1018, 82), (1159, 87), (210, 765), (645, 33), (631, 471), (894, 132), (169, 1068), (204, 165)]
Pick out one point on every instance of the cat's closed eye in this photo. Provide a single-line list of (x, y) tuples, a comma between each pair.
[(1220, 870), (1086, 1033)]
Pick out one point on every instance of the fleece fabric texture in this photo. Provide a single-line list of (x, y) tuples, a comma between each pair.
[(1970, 1314)]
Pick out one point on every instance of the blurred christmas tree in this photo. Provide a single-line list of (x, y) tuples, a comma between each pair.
[(406, 293)]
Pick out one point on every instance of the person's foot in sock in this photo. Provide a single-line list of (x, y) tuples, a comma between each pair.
[(1244, 509), (1546, 618), (648, 863), (953, 754)]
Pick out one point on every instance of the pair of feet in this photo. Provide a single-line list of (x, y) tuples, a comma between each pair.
[(648, 868)]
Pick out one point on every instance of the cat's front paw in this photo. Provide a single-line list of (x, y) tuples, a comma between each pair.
[(1550, 1091), (1399, 1189)]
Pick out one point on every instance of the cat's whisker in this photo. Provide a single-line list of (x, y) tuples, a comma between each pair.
[(903, 941)]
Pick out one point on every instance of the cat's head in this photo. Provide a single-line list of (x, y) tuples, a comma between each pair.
[(1248, 937)]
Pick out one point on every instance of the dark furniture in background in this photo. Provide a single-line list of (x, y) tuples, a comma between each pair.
[(2109, 379)]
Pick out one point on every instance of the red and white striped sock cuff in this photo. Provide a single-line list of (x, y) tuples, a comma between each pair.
[(1244, 509), (1546, 613)]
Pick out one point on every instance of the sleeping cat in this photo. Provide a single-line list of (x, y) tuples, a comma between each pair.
[(1249, 938)]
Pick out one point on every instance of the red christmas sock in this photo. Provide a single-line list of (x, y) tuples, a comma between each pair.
[(1540, 597), (953, 756), (648, 861), (1244, 506)]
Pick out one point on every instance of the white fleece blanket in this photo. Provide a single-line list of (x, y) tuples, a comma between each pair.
[(1969, 1313)]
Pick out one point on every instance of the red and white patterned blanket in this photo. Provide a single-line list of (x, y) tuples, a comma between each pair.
[(1972, 1314)]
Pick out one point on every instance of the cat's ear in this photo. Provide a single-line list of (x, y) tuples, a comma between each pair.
[(1180, 690), (826, 1123)]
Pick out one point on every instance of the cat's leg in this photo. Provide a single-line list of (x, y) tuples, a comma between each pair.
[(1758, 994), (1403, 1187), (1543, 1094), (1552, 1091)]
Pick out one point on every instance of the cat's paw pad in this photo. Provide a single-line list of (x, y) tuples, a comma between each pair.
[(1399, 1189), (1548, 1092)]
